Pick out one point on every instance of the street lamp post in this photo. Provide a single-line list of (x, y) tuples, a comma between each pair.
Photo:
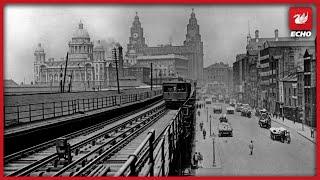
[(207, 114), (210, 125), (213, 154)]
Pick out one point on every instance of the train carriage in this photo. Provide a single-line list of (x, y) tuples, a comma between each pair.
[(175, 93)]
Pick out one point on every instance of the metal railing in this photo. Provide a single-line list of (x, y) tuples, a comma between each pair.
[(153, 151), (19, 114)]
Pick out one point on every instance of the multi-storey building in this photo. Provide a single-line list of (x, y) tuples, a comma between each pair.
[(310, 87), (221, 73), (239, 76), (165, 67), (289, 97), (278, 59), (87, 66), (192, 47)]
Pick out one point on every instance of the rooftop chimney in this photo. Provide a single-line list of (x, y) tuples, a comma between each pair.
[(276, 34)]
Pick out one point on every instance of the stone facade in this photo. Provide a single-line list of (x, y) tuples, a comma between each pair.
[(192, 47), (221, 73), (87, 68)]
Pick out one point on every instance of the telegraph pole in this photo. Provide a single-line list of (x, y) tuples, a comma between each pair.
[(65, 73), (151, 76), (70, 83), (117, 72), (61, 90)]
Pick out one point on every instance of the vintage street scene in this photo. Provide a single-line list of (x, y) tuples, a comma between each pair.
[(161, 90)]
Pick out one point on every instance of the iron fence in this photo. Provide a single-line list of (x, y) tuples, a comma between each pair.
[(18, 114)]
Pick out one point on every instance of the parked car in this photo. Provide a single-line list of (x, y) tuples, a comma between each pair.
[(281, 134)]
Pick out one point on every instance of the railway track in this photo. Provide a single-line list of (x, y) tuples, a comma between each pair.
[(41, 160), (108, 163)]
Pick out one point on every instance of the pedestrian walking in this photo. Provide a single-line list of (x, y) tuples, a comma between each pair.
[(201, 126), (200, 159), (199, 113), (204, 133), (312, 132), (251, 147), (283, 117), (195, 159)]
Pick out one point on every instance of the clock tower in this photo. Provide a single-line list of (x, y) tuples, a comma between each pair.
[(193, 34), (136, 39)]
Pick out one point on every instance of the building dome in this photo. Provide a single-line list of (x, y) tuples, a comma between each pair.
[(80, 32), (39, 48)]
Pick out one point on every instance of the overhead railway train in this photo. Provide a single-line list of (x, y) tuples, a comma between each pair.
[(175, 93)]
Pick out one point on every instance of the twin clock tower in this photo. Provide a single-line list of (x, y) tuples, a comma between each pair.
[(192, 47)]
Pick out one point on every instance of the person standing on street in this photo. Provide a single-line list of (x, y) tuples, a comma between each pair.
[(204, 133), (195, 159), (251, 147), (312, 132)]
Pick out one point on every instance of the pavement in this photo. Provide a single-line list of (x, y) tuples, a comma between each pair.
[(269, 157), (301, 129)]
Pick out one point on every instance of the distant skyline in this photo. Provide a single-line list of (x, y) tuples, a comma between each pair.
[(223, 29)]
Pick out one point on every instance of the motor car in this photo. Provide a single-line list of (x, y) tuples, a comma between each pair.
[(230, 110), (225, 128), (217, 109), (223, 118), (246, 112), (280, 133), (265, 120)]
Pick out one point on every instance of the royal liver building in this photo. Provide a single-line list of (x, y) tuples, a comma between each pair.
[(192, 47)]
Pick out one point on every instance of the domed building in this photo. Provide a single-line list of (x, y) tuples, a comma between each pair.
[(86, 64)]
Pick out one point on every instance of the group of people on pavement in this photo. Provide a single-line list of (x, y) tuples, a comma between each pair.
[(204, 132), (197, 159)]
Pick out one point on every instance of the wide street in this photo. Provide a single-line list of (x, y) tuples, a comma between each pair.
[(269, 157)]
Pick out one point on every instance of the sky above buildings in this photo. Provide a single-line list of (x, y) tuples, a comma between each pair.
[(223, 29)]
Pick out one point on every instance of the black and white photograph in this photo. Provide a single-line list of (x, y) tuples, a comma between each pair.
[(159, 90)]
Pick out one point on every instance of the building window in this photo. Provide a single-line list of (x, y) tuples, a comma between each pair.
[(289, 101), (289, 92)]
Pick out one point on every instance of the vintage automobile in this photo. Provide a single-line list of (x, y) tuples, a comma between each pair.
[(225, 128), (223, 118), (281, 134), (217, 109), (265, 120), (246, 112), (230, 110), (239, 107), (208, 101)]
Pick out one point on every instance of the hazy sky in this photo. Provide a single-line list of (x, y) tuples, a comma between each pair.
[(223, 29)]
